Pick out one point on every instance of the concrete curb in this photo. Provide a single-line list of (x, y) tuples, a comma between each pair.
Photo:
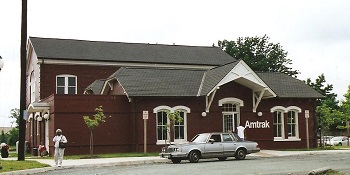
[(122, 163), (319, 171)]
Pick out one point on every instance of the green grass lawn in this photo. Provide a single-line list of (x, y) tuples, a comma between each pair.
[(13, 165)]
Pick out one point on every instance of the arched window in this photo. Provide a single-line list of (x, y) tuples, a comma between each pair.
[(66, 84), (32, 87), (286, 119), (162, 123), (231, 113)]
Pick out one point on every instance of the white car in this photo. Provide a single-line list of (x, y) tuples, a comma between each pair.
[(210, 145), (338, 141)]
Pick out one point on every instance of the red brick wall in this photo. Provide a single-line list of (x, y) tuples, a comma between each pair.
[(85, 76), (123, 132)]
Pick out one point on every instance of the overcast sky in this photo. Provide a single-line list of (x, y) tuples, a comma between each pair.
[(316, 33)]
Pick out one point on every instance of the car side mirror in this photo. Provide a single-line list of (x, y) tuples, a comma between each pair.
[(211, 141)]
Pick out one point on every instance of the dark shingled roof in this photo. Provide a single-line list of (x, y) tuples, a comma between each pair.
[(185, 82), (68, 49), (214, 76), (286, 86), (160, 82), (96, 86)]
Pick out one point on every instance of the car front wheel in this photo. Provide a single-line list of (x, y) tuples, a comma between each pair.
[(194, 156), (240, 154)]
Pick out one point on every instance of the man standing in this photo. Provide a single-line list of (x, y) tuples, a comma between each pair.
[(59, 141)]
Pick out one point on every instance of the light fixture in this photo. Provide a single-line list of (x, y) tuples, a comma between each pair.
[(204, 114), (46, 116), (39, 119), (1, 63)]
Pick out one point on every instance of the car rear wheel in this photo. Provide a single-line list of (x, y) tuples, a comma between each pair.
[(194, 156), (222, 158), (240, 154), (176, 160)]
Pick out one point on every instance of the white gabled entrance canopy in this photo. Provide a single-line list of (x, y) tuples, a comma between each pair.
[(245, 76)]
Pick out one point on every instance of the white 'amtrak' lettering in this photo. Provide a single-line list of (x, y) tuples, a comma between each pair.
[(257, 124)]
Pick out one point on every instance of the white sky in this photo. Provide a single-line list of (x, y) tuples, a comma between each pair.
[(316, 33)]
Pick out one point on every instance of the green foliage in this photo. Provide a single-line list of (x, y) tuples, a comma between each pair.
[(15, 115), (13, 165), (99, 117), (259, 54), (174, 117), (330, 117), (13, 136), (345, 109), (3, 137), (93, 123)]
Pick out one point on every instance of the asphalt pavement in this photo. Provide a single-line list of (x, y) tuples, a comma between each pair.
[(124, 161)]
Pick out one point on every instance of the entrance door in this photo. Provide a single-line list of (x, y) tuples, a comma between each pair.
[(231, 121)]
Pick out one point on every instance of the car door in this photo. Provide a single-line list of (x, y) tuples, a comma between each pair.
[(214, 146), (229, 144)]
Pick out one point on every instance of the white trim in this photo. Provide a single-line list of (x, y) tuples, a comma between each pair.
[(66, 86), (184, 109), (290, 139), (278, 108), (231, 100), (159, 108), (244, 75), (293, 108)]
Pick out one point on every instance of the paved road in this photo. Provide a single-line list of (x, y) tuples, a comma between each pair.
[(296, 164)]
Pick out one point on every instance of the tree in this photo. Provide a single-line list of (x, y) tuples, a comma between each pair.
[(98, 118), (327, 109), (13, 136), (345, 109), (259, 54), (15, 115), (3, 137), (173, 117)]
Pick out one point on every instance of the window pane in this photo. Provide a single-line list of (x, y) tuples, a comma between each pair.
[(60, 81), (71, 90), (71, 81), (60, 90), (228, 107)]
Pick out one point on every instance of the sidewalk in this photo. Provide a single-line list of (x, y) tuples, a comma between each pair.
[(123, 161)]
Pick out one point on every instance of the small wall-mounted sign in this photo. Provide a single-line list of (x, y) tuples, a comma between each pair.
[(145, 115), (307, 114)]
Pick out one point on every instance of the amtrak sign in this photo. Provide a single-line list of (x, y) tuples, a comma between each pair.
[(257, 124)]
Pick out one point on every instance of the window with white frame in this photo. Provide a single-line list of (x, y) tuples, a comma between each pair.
[(278, 127), (32, 87), (180, 127), (66, 84), (231, 119), (231, 113), (162, 128), (292, 123), (285, 122), (163, 122)]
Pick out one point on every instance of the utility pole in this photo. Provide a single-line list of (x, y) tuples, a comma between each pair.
[(22, 127)]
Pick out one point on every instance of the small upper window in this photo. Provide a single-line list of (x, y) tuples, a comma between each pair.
[(66, 84), (229, 107)]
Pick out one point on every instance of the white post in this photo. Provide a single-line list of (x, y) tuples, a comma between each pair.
[(145, 117), (307, 115)]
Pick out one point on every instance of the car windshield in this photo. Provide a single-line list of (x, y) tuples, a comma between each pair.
[(200, 138)]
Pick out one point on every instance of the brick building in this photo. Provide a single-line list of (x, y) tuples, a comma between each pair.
[(67, 79)]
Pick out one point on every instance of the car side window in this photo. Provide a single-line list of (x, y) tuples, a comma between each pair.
[(216, 137), (227, 138)]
